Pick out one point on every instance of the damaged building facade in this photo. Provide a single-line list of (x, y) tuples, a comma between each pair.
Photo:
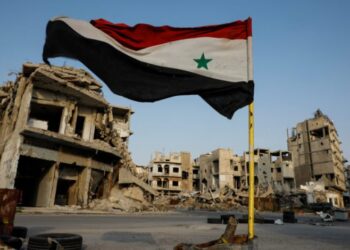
[(317, 155), (282, 171), (172, 173), (218, 169), (262, 167), (273, 170), (221, 168), (61, 140)]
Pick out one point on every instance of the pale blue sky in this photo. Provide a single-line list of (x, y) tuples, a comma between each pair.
[(301, 63)]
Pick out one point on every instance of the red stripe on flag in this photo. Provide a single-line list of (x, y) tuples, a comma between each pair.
[(143, 36)]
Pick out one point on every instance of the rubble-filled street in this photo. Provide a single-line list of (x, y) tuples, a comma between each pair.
[(165, 230)]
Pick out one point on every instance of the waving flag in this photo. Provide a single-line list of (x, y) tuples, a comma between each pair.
[(147, 63)]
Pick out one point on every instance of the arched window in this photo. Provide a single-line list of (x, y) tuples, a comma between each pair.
[(160, 169)]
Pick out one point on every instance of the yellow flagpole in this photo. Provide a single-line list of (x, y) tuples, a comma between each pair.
[(251, 173), (251, 145)]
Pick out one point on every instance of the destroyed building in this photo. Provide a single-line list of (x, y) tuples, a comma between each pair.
[(171, 173), (262, 167), (316, 154), (282, 171), (218, 169), (62, 142)]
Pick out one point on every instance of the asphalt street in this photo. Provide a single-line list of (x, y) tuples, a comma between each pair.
[(165, 230)]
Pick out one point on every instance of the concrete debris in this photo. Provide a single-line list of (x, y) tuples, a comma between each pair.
[(196, 201), (128, 199)]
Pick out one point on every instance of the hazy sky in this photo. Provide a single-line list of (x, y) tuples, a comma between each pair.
[(301, 63)]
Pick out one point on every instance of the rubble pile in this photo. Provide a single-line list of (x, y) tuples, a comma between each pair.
[(127, 199), (216, 201)]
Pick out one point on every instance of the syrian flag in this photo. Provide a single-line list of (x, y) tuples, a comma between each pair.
[(147, 63)]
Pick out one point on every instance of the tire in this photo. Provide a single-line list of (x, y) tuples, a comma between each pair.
[(214, 220), (19, 232), (67, 241)]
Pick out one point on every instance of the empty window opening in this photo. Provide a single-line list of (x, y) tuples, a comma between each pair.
[(166, 183), (80, 125), (184, 175), (159, 183), (166, 169), (274, 157), (215, 166), (98, 134), (263, 152), (160, 169), (237, 182), (46, 117), (175, 183), (196, 184), (316, 133), (279, 170), (175, 170), (286, 156), (326, 131)]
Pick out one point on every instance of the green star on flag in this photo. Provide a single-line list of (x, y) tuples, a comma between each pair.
[(202, 62)]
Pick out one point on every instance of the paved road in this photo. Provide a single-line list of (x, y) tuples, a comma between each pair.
[(165, 230)]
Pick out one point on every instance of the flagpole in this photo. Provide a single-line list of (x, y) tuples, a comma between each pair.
[(251, 173), (251, 140)]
